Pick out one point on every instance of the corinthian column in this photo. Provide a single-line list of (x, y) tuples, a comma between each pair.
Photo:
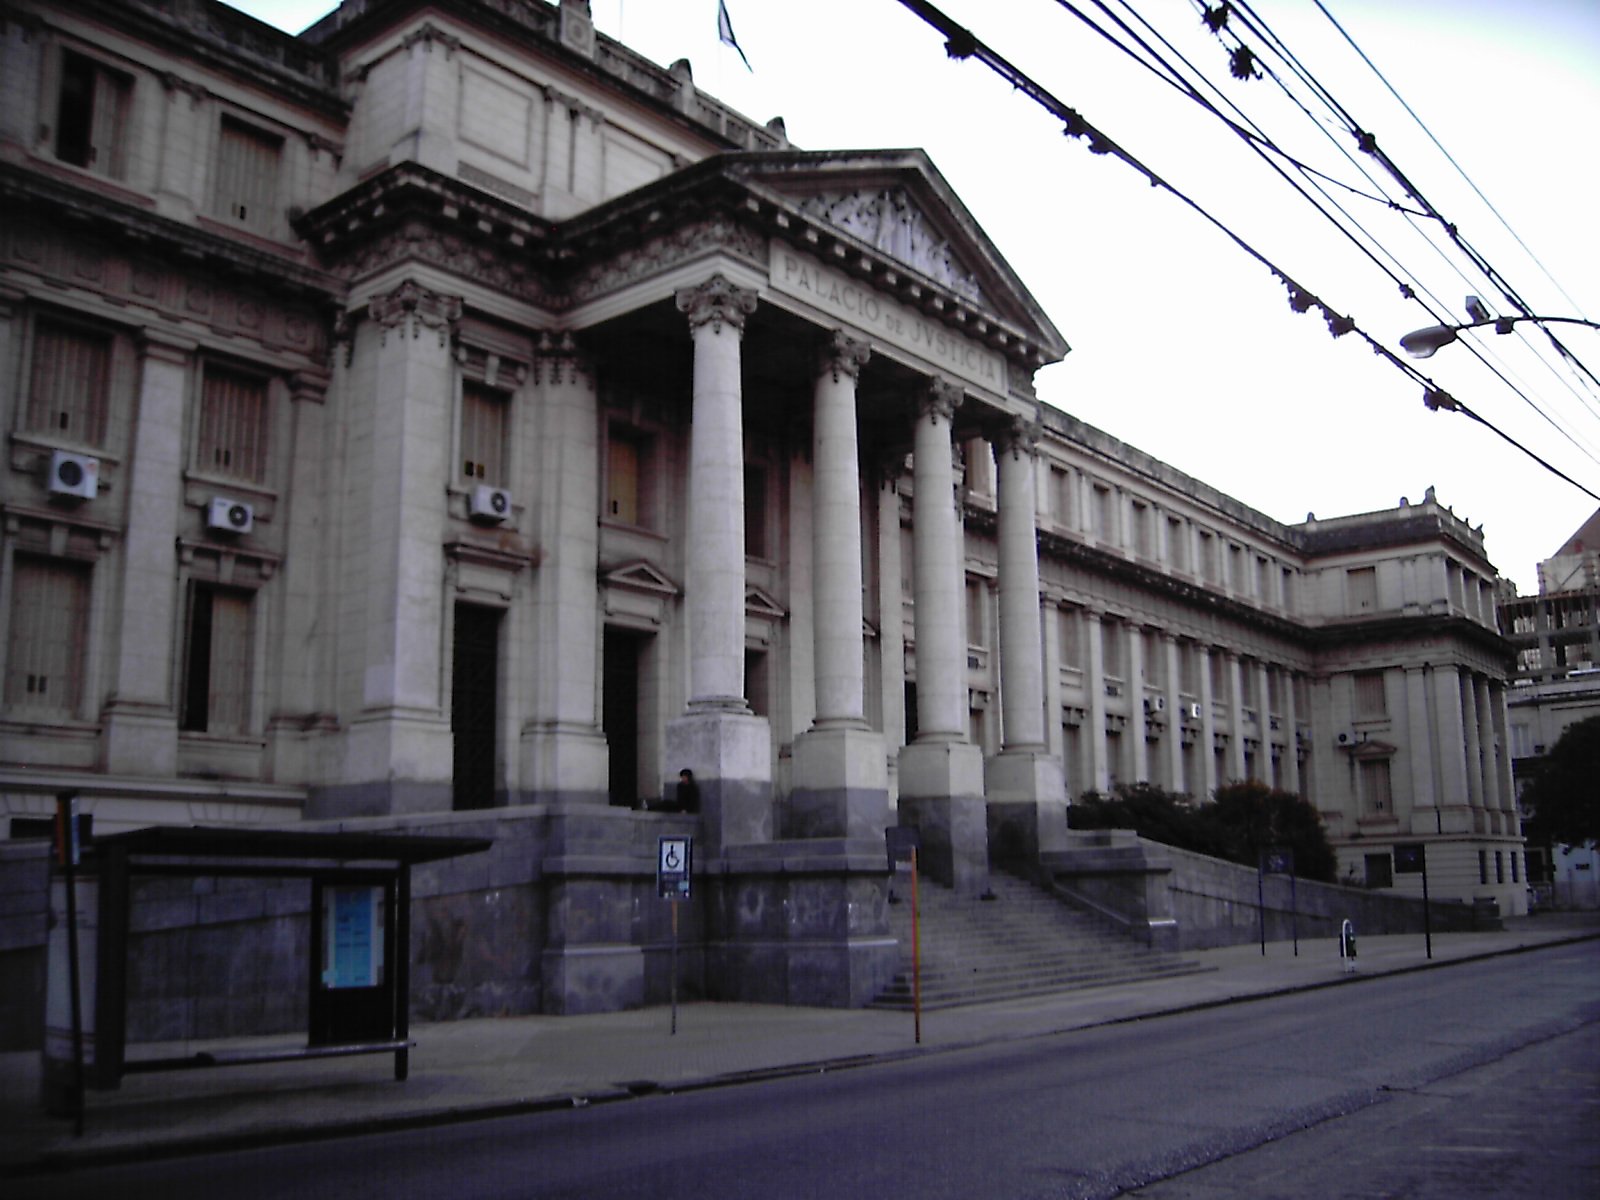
[(941, 774), (1025, 784), (726, 746), (841, 786)]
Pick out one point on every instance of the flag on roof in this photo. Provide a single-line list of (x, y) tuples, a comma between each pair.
[(725, 33)]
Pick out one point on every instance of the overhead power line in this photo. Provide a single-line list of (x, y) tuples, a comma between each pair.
[(962, 43)]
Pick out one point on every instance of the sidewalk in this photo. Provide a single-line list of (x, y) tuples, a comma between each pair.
[(462, 1070)]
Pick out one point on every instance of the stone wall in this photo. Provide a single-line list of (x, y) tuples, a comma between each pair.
[(24, 909)]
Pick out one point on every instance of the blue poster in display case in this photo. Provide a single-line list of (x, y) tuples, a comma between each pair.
[(353, 938)]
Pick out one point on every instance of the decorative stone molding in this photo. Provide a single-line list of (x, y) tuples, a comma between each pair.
[(717, 300), (889, 221), (1019, 436), (660, 253), (427, 35), (939, 401), (412, 306), (344, 334), (559, 359), (309, 386), (176, 84), (577, 27), (416, 241), (843, 355)]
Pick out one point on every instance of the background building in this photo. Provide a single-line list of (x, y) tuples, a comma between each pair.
[(1556, 635), (452, 410)]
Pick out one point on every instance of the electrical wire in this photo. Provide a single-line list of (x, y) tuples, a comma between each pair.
[(962, 43)]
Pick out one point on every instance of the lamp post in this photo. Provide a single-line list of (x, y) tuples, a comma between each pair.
[(1423, 343)]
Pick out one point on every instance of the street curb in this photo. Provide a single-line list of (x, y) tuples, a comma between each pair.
[(57, 1161)]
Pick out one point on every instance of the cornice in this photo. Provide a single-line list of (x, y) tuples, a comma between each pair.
[(60, 202)]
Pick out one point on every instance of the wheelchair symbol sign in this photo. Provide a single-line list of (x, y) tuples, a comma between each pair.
[(674, 862)]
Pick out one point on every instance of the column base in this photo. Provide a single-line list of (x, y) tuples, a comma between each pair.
[(1027, 806), (941, 795), (841, 785), (565, 764), (140, 739), (730, 754)]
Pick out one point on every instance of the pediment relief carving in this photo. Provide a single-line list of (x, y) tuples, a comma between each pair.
[(888, 220)]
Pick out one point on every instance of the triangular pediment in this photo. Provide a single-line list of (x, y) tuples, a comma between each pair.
[(639, 576), (895, 208), (759, 603)]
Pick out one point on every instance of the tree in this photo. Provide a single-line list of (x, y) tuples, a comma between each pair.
[(1563, 798), (1249, 817)]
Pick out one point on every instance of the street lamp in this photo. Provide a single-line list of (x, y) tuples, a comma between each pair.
[(1423, 343)]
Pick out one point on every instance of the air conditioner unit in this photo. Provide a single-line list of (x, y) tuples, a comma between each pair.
[(1349, 737), (229, 516), (75, 475), (489, 504), (1155, 704), (1192, 711)]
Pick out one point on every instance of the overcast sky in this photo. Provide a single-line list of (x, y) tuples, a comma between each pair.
[(1184, 346)]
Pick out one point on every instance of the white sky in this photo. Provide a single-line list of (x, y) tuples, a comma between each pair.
[(1182, 345)]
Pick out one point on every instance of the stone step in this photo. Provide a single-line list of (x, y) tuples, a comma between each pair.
[(1019, 941)]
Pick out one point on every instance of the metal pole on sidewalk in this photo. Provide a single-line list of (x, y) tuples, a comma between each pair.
[(674, 968), (67, 832), (916, 953), (1261, 908), (1427, 921)]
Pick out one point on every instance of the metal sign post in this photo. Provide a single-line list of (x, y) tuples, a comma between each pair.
[(1411, 858), (1279, 860), (902, 842), (675, 882), (67, 854)]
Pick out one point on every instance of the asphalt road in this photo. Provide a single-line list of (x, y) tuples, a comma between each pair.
[(1473, 1080)]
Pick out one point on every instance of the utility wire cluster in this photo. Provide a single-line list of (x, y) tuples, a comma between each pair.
[(1157, 55)]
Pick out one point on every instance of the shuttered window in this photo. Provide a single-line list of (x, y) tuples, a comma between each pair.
[(1370, 701), (247, 175), (1375, 798), (233, 425), (92, 117), (622, 479), (485, 430), (70, 382), (1362, 586), (217, 674), (49, 631)]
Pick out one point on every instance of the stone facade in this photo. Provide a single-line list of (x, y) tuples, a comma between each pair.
[(477, 416)]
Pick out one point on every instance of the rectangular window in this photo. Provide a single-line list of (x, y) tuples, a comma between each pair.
[(624, 474), (1060, 498), (233, 425), (1483, 866), (1071, 645), (216, 686), (1141, 530), (247, 175), (92, 117), (1263, 580), (1376, 800), (1186, 670), (1237, 580), (1177, 545), (1515, 873), (485, 433), (1380, 871), (49, 631), (1155, 657), (1208, 557), (755, 511), (1105, 528), (1288, 591), (1113, 649), (70, 382), (1361, 587), (1499, 866), (1371, 702), (975, 614)]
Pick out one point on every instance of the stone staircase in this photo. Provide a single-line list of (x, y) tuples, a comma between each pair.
[(1023, 942)]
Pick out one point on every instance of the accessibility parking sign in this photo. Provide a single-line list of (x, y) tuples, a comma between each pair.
[(674, 864)]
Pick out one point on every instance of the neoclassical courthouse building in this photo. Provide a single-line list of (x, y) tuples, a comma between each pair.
[(448, 408)]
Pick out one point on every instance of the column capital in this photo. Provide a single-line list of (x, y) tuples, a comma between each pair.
[(411, 307), (559, 359), (311, 386), (1019, 437), (939, 400), (158, 344), (842, 355), (716, 301)]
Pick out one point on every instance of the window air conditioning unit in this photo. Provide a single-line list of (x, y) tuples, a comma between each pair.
[(490, 505), (229, 516), (73, 475), (1155, 704), (1192, 711)]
